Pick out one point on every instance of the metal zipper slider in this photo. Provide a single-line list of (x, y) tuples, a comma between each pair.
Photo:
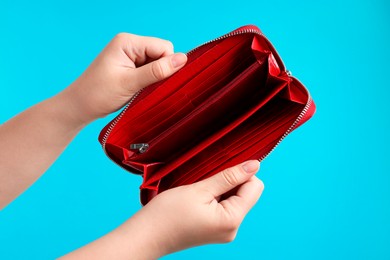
[(289, 73), (142, 147)]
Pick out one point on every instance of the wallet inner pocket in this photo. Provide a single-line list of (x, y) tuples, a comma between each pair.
[(218, 65), (256, 145)]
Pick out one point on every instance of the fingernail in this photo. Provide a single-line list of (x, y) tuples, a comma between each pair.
[(251, 166), (178, 60)]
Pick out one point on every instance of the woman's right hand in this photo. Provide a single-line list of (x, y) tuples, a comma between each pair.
[(195, 214), (209, 211)]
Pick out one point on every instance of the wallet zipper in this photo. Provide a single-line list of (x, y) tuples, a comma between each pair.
[(113, 124), (144, 146), (115, 121)]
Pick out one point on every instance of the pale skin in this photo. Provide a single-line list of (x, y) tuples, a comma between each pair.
[(176, 219)]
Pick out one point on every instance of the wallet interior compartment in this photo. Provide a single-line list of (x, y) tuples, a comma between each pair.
[(244, 119), (218, 62), (261, 131), (206, 119)]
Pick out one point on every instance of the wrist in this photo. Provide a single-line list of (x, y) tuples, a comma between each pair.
[(66, 109), (75, 108), (144, 238)]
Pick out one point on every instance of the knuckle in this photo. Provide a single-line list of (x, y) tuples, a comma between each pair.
[(230, 226), (169, 44), (229, 237), (157, 70), (230, 176), (121, 35)]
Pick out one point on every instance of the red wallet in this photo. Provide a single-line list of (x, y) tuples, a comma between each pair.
[(233, 101)]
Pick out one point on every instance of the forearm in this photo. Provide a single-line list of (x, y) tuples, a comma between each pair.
[(31, 142), (137, 238)]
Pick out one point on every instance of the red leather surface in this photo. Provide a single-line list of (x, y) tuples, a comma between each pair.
[(233, 101)]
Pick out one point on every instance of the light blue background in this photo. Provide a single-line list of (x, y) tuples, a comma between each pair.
[(327, 189)]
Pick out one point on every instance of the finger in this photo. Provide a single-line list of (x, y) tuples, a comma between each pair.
[(245, 198), (159, 69), (142, 49), (150, 49), (230, 178)]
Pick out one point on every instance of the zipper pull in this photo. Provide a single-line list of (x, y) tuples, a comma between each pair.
[(289, 73), (142, 147)]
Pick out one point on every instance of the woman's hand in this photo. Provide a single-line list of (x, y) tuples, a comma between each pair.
[(127, 64), (209, 211), (202, 213)]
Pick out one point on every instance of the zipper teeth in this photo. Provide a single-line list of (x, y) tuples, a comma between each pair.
[(238, 33), (115, 121), (112, 125), (299, 118)]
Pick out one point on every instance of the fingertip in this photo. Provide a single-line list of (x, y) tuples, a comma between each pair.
[(251, 166), (178, 60)]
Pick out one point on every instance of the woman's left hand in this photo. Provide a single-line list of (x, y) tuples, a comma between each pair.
[(127, 64)]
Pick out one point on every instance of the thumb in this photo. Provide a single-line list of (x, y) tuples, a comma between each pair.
[(159, 69), (230, 178)]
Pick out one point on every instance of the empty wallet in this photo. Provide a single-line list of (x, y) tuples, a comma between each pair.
[(233, 101)]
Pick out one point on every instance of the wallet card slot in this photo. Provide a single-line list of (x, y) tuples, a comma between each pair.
[(261, 126), (185, 88), (193, 174), (233, 62), (228, 70), (170, 119), (196, 163), (261, 138), (265, 135), (221, 80), (255, 146), (270, 119), (258, 143), (163, 109)]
